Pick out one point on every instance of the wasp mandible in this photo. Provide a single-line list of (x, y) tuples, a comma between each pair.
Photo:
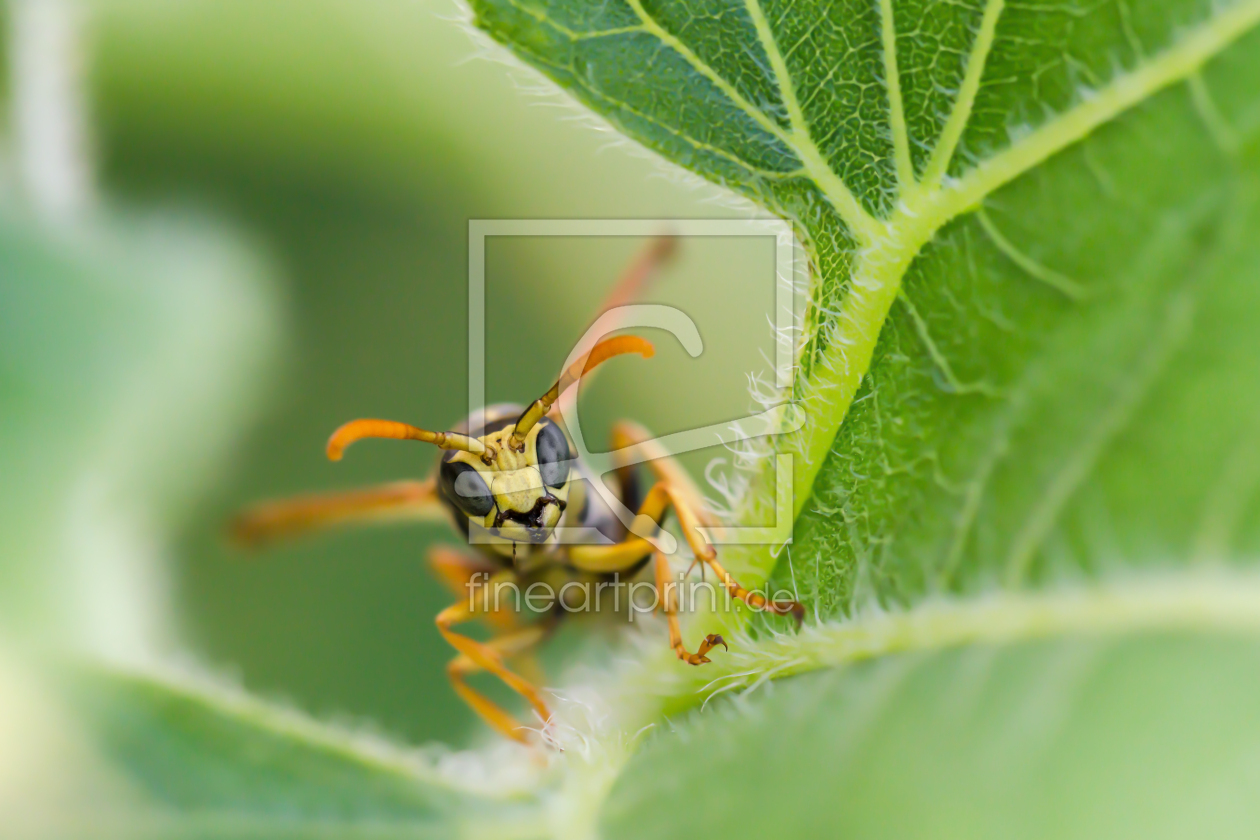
[(510, 474)]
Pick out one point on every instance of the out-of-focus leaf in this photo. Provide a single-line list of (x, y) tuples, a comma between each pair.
[(211, 761), (130, 351), (1147, 737)]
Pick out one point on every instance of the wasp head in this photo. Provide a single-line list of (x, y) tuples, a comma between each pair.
[(516, 491)]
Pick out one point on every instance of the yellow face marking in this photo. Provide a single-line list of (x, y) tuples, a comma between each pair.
[(516, 490)]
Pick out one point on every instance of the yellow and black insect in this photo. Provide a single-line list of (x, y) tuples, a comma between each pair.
[(509, 474)]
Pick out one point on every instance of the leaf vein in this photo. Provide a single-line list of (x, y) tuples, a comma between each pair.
[(896, 106), (1172, 332), (1160, 71), (670, 40), (960, 113), (1053, 279), (863, 226), (1203, 602), (1221, 132), (942, 364)]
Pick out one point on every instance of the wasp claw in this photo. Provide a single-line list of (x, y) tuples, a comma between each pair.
[(710, 642)]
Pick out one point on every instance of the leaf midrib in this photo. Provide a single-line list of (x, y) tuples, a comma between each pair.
[(1215, 602)]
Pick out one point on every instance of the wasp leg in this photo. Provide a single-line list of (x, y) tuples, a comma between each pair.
[(518, 643), (755, 599), (606, 559), (488, 656), (620, 556), (401, 500), (664, 467), (659, 499), (667, 591), (462, 572), (668, 471)]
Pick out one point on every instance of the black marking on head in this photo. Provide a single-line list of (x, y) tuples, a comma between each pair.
[(465, 488), (553, 455), (533, 518)]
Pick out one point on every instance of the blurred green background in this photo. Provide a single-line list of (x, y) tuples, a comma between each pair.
[(340, 146)]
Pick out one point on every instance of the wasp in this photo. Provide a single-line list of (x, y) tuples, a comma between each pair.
[(508, 476)]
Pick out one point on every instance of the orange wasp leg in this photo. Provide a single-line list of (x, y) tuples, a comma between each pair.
[(622, 555), (488, 656), (400, 500), (664, 467), (659, 499), (690, 508), (511, 644), (667, 591), (755, 599), (460, 572)]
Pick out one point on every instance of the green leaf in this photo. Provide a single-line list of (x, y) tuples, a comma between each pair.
[(1002, 228), (207, 760), (1142, 738), (131, 348), (1028, 367)]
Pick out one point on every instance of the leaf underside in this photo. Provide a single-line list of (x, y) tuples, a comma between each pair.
[(1139, 738), (1056, 201)]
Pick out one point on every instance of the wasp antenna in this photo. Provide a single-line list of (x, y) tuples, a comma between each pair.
[(600, 353), (360, 429), (639, 273)]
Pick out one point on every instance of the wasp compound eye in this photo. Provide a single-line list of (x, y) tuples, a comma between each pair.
[(553, 455), (463, 485)]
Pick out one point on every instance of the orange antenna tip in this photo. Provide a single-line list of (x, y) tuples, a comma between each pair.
[(617, 346), (600, 353), (357, 430)]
